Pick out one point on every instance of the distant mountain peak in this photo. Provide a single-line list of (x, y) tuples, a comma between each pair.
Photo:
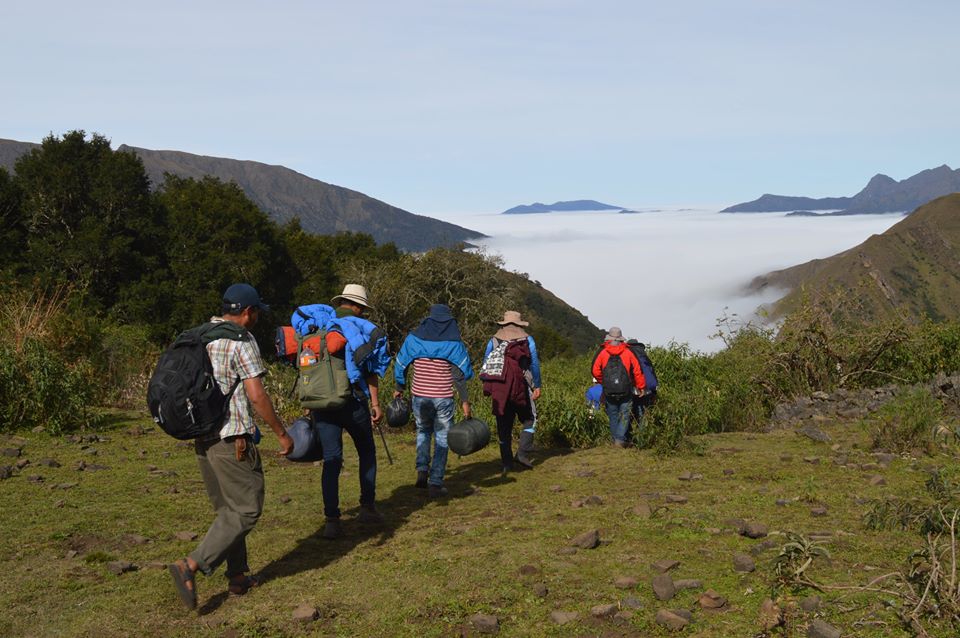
[(557, 207)]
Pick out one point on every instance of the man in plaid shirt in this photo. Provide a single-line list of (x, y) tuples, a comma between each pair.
[(229, 460)]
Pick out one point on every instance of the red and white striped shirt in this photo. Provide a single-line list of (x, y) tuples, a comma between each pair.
[(432, 378)]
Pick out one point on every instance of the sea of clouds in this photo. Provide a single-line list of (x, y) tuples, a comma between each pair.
[(665, 274)]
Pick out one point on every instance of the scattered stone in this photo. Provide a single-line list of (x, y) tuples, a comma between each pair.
[(306, 613), (818, 510), (631, 602), (172, 490), (577, 504), (22, 463), (664, 565), (119, 567), (762, 546), (48, 463), (625, 582), (6, 472), (72, 553), (10, 451), (676, 498), (687, 583), (556, 488), (670, 620), (587, 540), (690, 476), (540, 590), (284, 499), (485, 623), (186, 536), (869, 467), (820, 395), (35, 478), (810, 604), (712, 600), (624, 615), (563, 617), (137, 539), (728, 472), (814, 433), (66, 486), (593, 500), (642, 510), (770, 615), (885, 457), (91, 451), (820, 629), (878, 480), (603, 611), (529, 570), (783, 502), (136, 430), (743, 563), (567, 551), (754, 530), (813, 460), (663, 587), (586, 474)]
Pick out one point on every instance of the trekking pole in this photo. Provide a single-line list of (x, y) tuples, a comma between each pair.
[(384, 439)]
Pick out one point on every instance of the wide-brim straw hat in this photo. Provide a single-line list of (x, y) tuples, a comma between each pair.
[(355, 293), (513, 317)]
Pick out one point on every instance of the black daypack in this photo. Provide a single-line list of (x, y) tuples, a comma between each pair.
[(617, 384), (183, 396)]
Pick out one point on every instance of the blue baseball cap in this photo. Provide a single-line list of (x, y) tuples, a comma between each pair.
[(240, 296)]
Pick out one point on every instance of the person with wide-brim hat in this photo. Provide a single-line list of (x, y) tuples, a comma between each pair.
[(511, 373), (353, 295)]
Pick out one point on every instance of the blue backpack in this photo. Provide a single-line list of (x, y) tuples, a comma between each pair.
[(649, 375)]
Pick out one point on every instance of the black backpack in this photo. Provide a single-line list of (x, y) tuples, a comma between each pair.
[(184, 398), (616, 380)]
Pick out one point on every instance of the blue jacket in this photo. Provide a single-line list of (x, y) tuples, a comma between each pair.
[(366, 351), (416, 348), (534, 359)]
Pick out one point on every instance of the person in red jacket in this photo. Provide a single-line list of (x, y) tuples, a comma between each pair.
[(618, 371)]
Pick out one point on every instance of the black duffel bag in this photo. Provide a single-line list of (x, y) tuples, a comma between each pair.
[(468, 436)]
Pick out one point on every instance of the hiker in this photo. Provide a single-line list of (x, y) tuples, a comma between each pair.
[(643, 399), (440, 362), (228, 457), (594, 397), (511, 377), (619, 373), (361, 348)]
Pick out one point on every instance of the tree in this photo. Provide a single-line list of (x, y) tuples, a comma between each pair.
[(88, 216), (11, 223)]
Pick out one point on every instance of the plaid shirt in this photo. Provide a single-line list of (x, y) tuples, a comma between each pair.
[(233, 360)]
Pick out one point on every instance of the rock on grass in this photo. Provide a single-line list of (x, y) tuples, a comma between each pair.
[(754, 530), (603, 611), (587, 540), (743, 563), (306, 613), (671, 620), (663, 587), (485, 623), (563, 617), (821, 629), (664, 565)]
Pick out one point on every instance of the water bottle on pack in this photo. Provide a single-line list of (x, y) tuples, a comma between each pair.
[(308, 357)]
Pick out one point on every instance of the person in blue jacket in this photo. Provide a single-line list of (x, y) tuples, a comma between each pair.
[(440, 363), (511, 330)]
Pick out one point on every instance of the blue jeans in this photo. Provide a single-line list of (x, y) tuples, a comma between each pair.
[(434, 418), (619, 414), (354, 418)]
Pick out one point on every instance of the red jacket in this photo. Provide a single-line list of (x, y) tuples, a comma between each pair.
[(626, 356)]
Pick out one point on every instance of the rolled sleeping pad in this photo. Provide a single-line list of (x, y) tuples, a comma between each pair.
[(306, 442), (468, 436)]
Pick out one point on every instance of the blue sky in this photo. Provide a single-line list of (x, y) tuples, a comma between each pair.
[(442, 106)]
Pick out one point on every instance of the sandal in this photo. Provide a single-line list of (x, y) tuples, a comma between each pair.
[(242, 584), (183, 580)]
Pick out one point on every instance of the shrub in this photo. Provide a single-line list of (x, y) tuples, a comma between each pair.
[(907, 422)]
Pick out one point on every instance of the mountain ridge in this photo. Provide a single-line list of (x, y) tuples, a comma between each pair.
[(285, 194), (559, 207), (911, 270), (882, 194)]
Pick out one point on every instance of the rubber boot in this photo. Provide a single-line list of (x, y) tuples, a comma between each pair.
[(421, 479), (524, 449)]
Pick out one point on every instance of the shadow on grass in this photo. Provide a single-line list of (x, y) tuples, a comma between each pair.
[(315, 552)]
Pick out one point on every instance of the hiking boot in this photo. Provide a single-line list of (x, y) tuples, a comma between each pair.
[(369, 515), (332, 529), (437, 491), (421, 480)]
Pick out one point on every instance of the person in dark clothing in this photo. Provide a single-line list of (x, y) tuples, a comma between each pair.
[(619, 403), (511, 374)]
